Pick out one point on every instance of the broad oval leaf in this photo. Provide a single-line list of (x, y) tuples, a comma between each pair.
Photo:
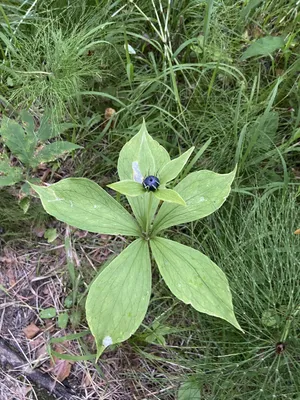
[(84, 204), (264, 46), (170, 170), (203, 191), (170, 196), (118, 298), (194, 279), (149, 157), (48, 313), (19, 143), (8, 175), (142, 148), (128, 187)]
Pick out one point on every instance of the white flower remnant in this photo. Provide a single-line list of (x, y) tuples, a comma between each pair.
[(107, 341), (137, 175)]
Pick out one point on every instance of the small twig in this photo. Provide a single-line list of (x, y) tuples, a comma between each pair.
[(10, 358)]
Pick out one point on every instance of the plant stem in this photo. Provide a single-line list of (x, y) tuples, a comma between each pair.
[(148, 220), (288, 325)]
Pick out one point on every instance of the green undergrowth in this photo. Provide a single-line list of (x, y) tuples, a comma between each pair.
[(178, 65)]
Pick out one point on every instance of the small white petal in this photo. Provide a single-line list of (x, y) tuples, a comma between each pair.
[(137, 175)]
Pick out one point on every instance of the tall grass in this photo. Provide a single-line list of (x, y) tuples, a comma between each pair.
[(259, 253)]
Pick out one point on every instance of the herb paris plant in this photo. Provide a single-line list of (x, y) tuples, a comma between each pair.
[(118, 298)]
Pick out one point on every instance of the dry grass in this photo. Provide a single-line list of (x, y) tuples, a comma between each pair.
[(35, 277)]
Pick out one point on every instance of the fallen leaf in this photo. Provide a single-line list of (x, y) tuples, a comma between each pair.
[(31, 330), (60, 368), (297, 232), (39, 346), (39, 230), (41, 352), (49, 325)]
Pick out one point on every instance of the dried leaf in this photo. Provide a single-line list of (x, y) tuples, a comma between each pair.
[(61, 368), (31, 330), (297, 232), (39, 230), (41, 352), (109, 112)]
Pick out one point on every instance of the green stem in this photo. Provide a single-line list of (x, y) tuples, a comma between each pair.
[(288, 325), (148, 220)]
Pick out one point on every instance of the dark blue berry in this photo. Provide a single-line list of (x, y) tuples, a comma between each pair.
[(151, 183)]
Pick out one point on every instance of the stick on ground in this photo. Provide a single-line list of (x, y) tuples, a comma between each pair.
[(9, 358)]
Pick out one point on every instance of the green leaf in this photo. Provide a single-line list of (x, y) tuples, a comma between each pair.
[(263, 46), (28, 124), (203, 191), (170, 170), (149, 154), (189, 390), (250, 6), (9, 82), (150, 157), (21, 145), (270, 319), (169, 196), (8, 175), (49, 129), (128, 187), (84, 204), (194, 279), (62, 320), (51, 234), (48, 313), (25, 204), (54, 150), (118, 298)]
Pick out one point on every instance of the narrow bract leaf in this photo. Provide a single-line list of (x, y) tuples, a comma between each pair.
[(203, 191), (169, 196), (128, 187), (264, 46), (82, 203), (149, 156), (174, 167), (118, 298), (194, 279), (52, 151)]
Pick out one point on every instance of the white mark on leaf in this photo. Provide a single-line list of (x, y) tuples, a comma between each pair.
[(107, 341), (201, 199), (57, 199), (71, 203), (95, 206)]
